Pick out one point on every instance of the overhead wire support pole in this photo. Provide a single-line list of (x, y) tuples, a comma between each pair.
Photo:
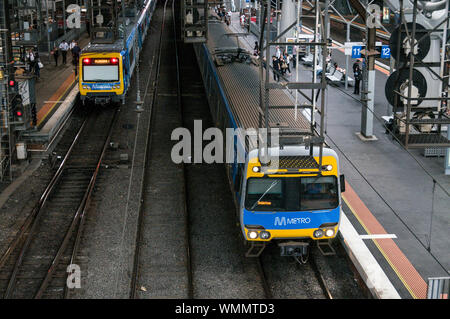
[(324, 27), (412, 44), (366, 131), (261, 69), (268, 29), (299, 5), (315, 57)]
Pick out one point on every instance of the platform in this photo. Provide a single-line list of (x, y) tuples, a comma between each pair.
[(56, 93), (395, 207)]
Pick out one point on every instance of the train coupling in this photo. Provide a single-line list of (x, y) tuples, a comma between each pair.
[(102, 100), (293, 248)]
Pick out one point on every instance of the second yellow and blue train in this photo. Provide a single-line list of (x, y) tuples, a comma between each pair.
[(105, 69)]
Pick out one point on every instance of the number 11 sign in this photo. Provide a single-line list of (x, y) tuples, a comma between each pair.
[(356, 51)]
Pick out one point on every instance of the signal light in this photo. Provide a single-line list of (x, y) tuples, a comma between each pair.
[(12, 83), (19, 113)]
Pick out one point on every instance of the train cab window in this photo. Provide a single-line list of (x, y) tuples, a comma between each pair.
[(292, 194), (318, 193), (264, 194), (100, 69)]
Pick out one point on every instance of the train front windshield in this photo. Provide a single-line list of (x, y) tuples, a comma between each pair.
[(100, 73), (292, 194)]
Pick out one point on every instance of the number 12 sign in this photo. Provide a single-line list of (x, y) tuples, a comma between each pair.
[(385, 52)]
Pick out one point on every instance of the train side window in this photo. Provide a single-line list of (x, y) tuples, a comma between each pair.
[(124, 64), (238, 181), (131, 55)]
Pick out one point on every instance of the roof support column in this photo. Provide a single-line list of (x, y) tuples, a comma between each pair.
[(288, 17)]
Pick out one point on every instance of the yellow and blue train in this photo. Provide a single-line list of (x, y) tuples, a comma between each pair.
[(105, 69), (292, 204)]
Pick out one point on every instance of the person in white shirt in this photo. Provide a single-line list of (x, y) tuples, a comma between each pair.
[(294, 56), (72, 45), (64, 47), (31, 60), (278, 52)]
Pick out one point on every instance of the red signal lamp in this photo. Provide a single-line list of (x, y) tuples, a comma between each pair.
[(19, 113), (12, 83)]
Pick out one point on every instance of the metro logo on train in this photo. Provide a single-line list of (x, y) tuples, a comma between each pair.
[(283, 221)]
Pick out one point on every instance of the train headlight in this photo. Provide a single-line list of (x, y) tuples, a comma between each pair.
[(256, 169), (264, 235), (318, 233), (329, 232), (327, 167), (252, 234)]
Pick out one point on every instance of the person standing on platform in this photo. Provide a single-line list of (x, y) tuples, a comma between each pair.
[(55, 53), (358, 75), (256, 49), (75, 64), (31, 59), (287, 59), (71, 45), (76, 51), (37, 65), (276, 68), (64, 47), (294, 56), (76, 57), (278, 52)]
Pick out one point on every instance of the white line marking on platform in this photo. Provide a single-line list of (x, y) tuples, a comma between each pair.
[(371, 272), (377, 236)]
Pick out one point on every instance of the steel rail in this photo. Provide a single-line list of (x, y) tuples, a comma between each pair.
[(267, 291), (135, 274), (80, 213), (32, 222), (25, 226), (319, 277)]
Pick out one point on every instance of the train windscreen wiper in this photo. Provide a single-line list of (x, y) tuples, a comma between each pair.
[(264, 194)]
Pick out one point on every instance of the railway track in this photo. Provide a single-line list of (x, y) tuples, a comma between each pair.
[(35, 263), (309, 266), (162, 174)]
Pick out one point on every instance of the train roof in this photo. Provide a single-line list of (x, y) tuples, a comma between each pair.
[(118, 45), (104, 47), (242, 86)]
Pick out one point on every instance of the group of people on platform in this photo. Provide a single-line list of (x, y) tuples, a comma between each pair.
[(281, 62), (281, 65), (223, 14), (65, 47), (34, 63)]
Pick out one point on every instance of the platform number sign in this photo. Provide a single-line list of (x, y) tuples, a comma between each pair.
[(385, 52), (356, 51)]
